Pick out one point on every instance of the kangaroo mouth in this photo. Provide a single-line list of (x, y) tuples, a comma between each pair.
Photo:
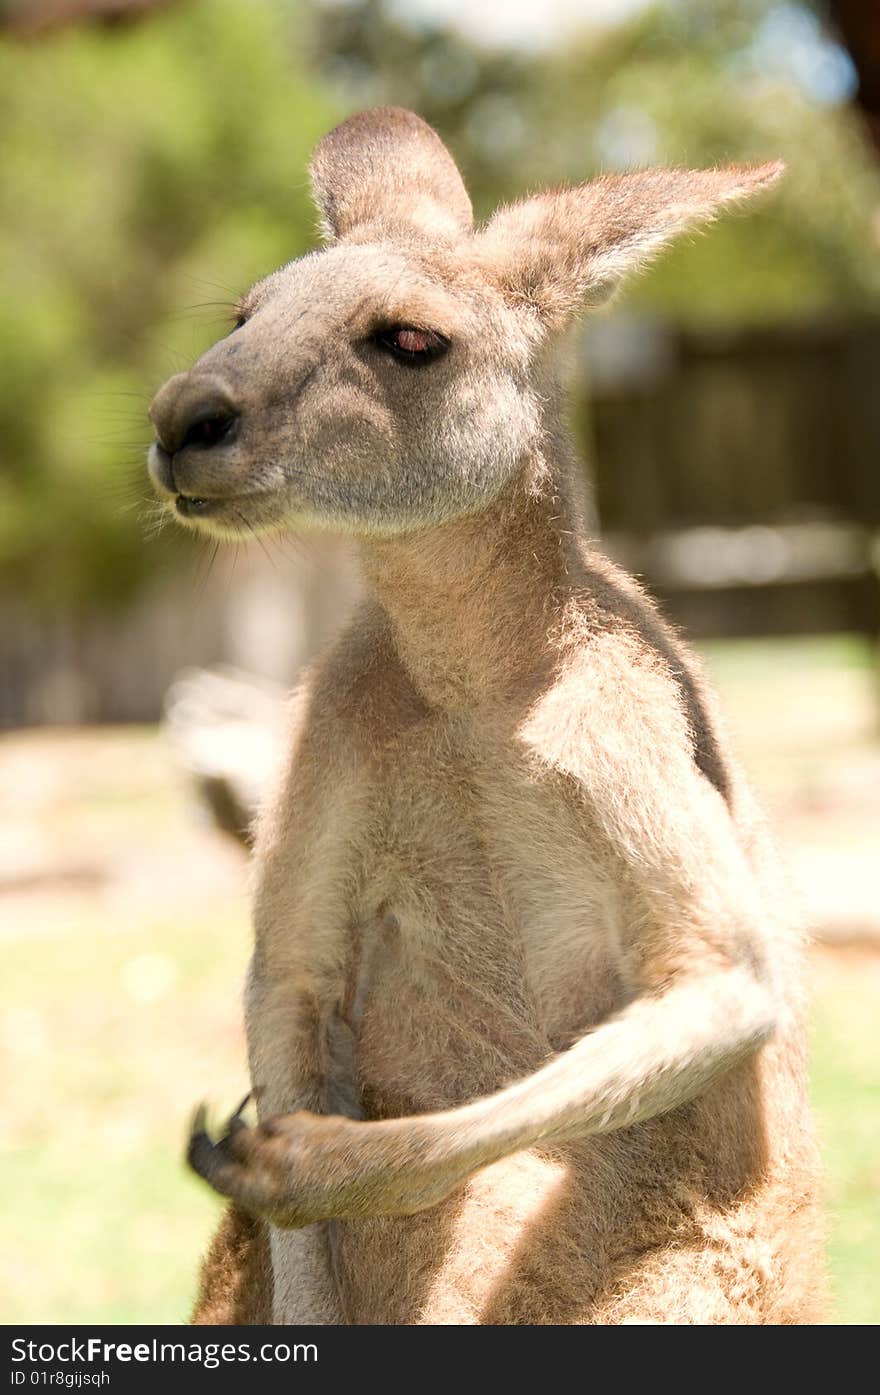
[(236, 511), (229, 515), (188, 502), (195, 506)]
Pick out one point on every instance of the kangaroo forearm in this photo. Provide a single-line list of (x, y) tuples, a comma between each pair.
[(658, 1054)]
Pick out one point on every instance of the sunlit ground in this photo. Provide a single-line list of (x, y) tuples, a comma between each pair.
[(123, 920)]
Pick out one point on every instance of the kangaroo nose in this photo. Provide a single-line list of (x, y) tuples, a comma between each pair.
[(192, 411)]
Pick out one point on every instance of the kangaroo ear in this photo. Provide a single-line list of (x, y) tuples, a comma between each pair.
[(571, 247), (387, 165)]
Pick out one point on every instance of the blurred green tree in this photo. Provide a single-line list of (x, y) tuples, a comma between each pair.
[(680, 82), (142, 169), (150, 166)]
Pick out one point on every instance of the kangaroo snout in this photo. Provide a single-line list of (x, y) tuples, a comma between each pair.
[(192, 410), (193, 415)]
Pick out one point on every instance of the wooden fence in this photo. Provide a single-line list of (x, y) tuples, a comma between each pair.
[(739, 473)]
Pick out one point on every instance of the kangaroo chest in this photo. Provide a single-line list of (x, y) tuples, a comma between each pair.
[(443, 922)]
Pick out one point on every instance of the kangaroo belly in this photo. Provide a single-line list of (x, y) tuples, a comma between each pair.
[(452, 1264)]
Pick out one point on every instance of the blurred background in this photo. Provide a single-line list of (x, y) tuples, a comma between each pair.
[(152, 165)]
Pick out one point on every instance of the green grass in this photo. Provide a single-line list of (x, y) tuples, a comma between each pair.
[(115, 1019), (122, 1033), (846, 1089)]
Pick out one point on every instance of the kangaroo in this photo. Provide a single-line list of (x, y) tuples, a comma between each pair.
[(524, 1013)]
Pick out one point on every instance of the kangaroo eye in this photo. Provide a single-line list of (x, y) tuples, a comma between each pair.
[(412, 345)]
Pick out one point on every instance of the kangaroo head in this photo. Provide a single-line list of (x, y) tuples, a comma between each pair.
[(395, 379)]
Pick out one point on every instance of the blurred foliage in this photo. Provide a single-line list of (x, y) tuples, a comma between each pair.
[(148, 167), (135, 163), (684, 82)]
